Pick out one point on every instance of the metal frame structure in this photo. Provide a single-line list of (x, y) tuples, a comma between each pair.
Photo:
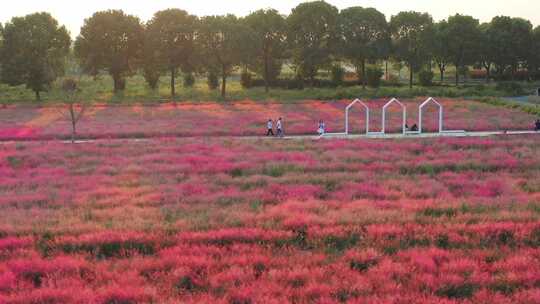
[(347, 110), (420, 113), (404, 111), (404, 117)]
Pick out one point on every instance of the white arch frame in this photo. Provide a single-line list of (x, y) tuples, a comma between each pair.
[(421, 111), (404, 111), (347, 110)]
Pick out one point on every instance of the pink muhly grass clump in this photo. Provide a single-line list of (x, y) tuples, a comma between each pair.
[(125, 294)]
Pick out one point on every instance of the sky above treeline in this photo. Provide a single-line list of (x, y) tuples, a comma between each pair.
[(72, 13)]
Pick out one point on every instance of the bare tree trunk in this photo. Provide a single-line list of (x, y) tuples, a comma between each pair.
[(119, 84), (386, 76), (442, 69), (38, 96), (173, 88), (457, 76), (223, 82), (73, 123), (411, 76), (266, 76), (364, 73)]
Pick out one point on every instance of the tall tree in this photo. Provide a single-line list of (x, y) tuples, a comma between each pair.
[(172, 33), (441, 51), (522, 35), (112, 41), (268, 41), (511, 42), (463, 38), (152, 61), (533, 62), (500, 33), (412, 34), (1, 44), (34, 51), (313, 36), (486, 49), (220, 41), (365, 37)]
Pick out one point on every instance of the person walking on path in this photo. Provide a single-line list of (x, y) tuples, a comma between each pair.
[(270, 128), (279, 127), (322, 128)]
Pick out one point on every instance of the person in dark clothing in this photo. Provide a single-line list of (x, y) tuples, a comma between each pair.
[(414, 128), (270, 127), (537, 125)]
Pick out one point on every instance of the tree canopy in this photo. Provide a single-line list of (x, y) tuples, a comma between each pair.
[(221, 41), (266, 42), (412, 34), (33, 51), (463, 41), (171, 36), (364, 36), (534, 54), (440, 51), (510, 39), (112, 41), (313, 36)]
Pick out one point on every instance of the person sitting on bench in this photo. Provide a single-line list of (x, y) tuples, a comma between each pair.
[(414, 128)]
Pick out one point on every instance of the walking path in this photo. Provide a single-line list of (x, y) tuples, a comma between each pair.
[(307, 136), (431, 135)]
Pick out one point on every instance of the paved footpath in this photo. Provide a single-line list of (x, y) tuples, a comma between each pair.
[(431, 135), (312, 137)]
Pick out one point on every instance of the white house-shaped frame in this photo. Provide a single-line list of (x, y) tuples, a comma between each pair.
[(404, 111), (421, 111), (348, 109)]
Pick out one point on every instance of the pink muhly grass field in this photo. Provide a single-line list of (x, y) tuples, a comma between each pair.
[(242, 118), (224, 220)]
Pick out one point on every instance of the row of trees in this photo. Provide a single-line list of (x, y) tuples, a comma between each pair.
[(314, 36)]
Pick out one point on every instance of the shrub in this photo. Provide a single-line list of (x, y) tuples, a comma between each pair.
[(188, 284), (189, 80), (510, 88), (374, 75), (298, 82), (338, 74), (464, 71), (212, 80), (426, 78), (438, 212), (478, 74), (246, 79), (151, 75), (335, 244), (393, 81), (457, 291), (14, 161)]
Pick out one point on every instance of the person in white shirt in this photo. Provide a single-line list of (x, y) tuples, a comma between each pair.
[(270, 127), (322, 128), (279, 127)]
